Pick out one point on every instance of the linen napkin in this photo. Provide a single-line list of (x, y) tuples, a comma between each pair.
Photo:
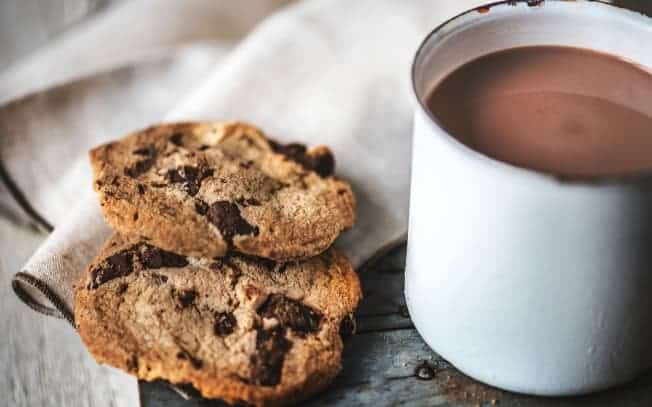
[(318, 72)]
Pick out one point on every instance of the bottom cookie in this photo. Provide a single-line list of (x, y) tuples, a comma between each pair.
[(240, 329)]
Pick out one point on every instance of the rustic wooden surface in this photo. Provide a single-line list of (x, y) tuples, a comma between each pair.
[(387, 363), (42, 360)]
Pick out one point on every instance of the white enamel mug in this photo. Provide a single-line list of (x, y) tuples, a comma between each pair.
[(519, 279)]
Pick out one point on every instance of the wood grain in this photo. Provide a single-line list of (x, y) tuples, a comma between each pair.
[(43, 361)]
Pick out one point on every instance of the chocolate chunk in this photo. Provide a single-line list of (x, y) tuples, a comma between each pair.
[(294, 314), (152, 257), (267, 362), (135, 216), (190, 173), (244, 202), (175, 139), (141, 189), (191, 188), (174, 176), (132, 363), (195, 177), (203, 147), (195, 362), (206, 172), (145, 151), (224, 324), (140, 167), (226, 217), (269, 264), (322, 163), (348, 326), (159, 279), (122, 288), (201, 207), (187, 298), (293, 151), (190, 176), (117, 265)]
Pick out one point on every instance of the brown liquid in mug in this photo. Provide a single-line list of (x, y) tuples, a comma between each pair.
[(560, 110)]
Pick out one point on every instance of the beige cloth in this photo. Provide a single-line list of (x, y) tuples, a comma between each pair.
[(323, 71)]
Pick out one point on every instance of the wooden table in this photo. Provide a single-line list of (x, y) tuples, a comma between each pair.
[(387, 363)]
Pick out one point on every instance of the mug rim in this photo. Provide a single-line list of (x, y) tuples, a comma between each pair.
[(500, 164)]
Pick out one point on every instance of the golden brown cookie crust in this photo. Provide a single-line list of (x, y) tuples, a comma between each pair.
[(201, 188), (239, 329)]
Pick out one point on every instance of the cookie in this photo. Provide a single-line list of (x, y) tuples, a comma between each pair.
[(241, 329), (201, 189)]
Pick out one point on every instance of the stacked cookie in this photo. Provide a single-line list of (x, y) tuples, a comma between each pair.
[(220, 274)]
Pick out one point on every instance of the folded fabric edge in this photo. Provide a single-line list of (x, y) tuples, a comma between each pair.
[(61, 259), (58, 308), (19, 197)]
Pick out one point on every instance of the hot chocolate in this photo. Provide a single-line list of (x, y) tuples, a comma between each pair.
[(560, 110)]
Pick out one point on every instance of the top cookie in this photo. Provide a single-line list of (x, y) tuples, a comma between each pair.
[(199, 189)]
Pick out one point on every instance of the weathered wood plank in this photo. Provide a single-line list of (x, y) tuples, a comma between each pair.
[(383, 306), (43, 361), (448, 388), (375, 323), (382, 356), (383, 286)]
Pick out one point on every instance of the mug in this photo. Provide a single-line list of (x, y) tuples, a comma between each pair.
[(520, 279)]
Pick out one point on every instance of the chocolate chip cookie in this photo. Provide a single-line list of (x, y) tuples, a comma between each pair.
[(201, 189), (238, 328)]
